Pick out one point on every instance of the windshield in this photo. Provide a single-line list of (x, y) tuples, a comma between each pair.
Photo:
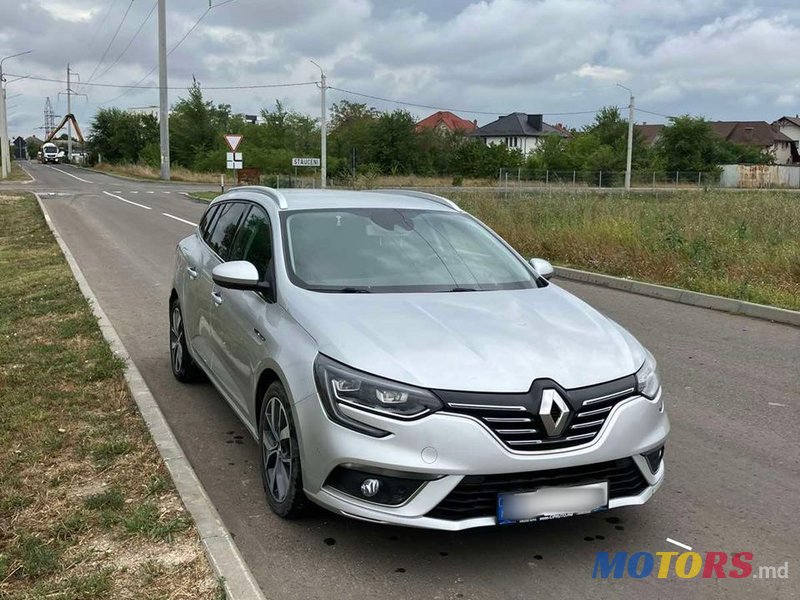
[(397, 250), (50, 149)]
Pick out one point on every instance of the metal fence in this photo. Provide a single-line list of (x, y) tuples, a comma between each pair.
[(524, 178)]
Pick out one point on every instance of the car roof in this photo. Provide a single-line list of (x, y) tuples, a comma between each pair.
[(307, 199)]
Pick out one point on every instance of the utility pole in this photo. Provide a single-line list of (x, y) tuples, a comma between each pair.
[(630, 137), (163, 97), (323, 129), (5, 159), (69, 112)]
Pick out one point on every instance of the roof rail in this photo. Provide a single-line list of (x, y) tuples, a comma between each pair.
[(274, 194), (425, 195)]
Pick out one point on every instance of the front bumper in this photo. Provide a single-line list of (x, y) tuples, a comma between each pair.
[(454, 446)]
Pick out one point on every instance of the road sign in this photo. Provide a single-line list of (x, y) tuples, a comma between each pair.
[(234, 160), (233, 140), (305, 162)]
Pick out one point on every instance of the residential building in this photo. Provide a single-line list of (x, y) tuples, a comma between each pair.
[(518, 130), (790, 127), (444, 121), (751, 133)]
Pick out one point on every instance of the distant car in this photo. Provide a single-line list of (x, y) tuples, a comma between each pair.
[(398, 362), (51, 153)]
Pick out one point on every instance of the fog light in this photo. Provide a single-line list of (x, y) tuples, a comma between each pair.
[(379, 486), (370, 487)]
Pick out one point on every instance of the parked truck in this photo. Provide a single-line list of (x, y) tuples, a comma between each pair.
[(50, 153)]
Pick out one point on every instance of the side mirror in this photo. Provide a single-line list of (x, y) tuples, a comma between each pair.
[(542, 267), (236, 275)]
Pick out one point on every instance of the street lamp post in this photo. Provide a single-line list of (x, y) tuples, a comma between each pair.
[(323, 128), (5, 159), (630, 137)]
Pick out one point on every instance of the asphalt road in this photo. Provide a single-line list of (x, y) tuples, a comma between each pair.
[(733, 470)]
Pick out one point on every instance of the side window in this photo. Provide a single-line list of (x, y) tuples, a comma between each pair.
[(207, 221), (223, 229), (254, 242)]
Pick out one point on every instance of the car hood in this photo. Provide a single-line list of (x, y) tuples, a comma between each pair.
[(493, 341)]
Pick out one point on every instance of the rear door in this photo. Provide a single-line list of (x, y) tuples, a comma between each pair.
[(195, 289)]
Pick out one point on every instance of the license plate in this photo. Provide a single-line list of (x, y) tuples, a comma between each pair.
[(551, 503)]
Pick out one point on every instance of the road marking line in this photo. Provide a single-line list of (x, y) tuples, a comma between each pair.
[(179, 219), (684, 546), (165, 192), (128, 201), (134, 192), (117, 191), (151, 192), (69, 174), (775, 404)]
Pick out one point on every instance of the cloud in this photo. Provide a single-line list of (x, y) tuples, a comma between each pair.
[(601, 73), (726, 59)]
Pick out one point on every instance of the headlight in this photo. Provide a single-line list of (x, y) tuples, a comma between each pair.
[(339, 385), (647, 383)]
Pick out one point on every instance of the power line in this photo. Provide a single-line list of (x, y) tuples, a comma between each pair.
[(130, 42), (175, 47), (255, 86), (658, 114), (457, 110), (111, 42)]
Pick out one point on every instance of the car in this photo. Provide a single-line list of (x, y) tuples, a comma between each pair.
[(397, 362)]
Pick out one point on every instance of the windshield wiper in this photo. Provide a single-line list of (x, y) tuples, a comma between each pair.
[(464, 289), (342, 290)]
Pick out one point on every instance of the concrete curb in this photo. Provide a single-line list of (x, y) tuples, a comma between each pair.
[(730, 305), (221, 550)]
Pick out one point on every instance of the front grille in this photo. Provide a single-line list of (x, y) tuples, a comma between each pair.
[(476, 495), (515, 420)]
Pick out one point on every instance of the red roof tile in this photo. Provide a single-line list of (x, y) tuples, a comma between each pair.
[(448, 120)]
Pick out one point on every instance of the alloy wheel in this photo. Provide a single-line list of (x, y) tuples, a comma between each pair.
[(176, 339), (276, 446)]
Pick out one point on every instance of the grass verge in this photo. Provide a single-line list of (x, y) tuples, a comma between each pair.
[(145, 172), (17, 173), (87, 508), (743, 245)]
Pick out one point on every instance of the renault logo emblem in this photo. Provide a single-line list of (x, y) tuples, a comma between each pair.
[(553, 412)]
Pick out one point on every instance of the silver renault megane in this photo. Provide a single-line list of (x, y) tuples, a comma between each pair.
[(398, 362)]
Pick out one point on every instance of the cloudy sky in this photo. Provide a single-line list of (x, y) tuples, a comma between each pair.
[(723, 59)]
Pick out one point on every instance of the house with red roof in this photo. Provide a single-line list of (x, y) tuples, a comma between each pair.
[(444, 120)]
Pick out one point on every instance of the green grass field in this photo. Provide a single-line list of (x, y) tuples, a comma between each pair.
[(743, 245)]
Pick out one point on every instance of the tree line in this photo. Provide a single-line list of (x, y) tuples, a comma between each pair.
[(362, 139)]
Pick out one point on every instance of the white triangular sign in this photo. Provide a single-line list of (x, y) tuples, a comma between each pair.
[(233, 140)]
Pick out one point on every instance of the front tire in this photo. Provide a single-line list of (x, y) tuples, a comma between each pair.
[(280, 455), (184, 368)]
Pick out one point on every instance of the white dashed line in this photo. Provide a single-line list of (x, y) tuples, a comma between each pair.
[(776, 404), (149, 192), (684, 546), (128, 201), (163, 192), (117, 191), (179, 219), (69, 174), (134, 192)]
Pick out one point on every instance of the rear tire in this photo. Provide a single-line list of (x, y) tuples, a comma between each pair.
[(184, 368), (280, 455)]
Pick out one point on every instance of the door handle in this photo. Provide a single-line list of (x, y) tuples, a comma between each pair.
[(192, 272), (217, 297)]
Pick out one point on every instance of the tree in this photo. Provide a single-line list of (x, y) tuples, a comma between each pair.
[(196, 130), (120, 136)]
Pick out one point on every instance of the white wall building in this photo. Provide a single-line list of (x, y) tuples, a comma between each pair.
[(517, 130)]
